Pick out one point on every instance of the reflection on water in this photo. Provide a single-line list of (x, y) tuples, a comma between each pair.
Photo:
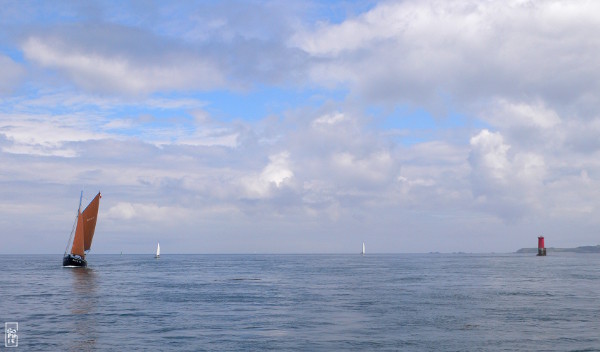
[(83, 309)]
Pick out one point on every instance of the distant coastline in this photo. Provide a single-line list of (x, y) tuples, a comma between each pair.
[(582, 249)]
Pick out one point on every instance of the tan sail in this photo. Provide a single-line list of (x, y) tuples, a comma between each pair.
[(78, 239), (86, 225), (90, 215)]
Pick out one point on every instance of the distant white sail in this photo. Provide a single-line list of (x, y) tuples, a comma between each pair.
[(157, 251), (363, 250)]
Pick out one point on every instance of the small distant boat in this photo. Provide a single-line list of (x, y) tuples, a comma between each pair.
[(82, 233), (363, 249), (157, 251)]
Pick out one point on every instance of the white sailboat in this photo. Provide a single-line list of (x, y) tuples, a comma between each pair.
[(157, 251), (363, 249)]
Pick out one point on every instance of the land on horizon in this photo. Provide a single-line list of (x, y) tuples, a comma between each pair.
[(580, 249)]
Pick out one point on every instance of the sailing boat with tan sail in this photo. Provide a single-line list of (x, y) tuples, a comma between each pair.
[(83, 231)]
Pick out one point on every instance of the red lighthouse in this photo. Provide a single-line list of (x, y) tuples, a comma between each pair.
[(541, 246)]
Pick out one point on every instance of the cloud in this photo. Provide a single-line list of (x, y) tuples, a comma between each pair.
[(436, 52), (127, 49), (145, 212), (512, 114), (506, 184), (121, 60), (44, 135), (490, 156), (328, 119), (273, 176), (225, 137), (11, 74), (372, 168)]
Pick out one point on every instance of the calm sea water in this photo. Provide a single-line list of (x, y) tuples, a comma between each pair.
[(304, 302)]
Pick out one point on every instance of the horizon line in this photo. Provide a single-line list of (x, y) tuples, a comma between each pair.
[(274, 253)]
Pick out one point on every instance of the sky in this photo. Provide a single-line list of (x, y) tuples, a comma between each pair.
[(300, 127)]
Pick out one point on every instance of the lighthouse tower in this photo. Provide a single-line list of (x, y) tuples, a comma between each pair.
[(541, 246)]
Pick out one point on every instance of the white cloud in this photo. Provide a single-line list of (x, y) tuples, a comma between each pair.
[(328, 119), (81, 101), (278, 169), (489, 155), (118, 72), (376, 167), (430, 52), (45, 135), (511, 115), (211, 137), (147, 212), (11, 74), (509, 185), (273, 176), (386, 21)]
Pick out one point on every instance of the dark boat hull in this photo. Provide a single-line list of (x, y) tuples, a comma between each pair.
[(71, 260)]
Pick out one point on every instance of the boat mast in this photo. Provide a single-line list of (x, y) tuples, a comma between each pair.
[(74, 224)]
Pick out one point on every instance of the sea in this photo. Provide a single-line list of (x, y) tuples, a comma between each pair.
[(338, 302)]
